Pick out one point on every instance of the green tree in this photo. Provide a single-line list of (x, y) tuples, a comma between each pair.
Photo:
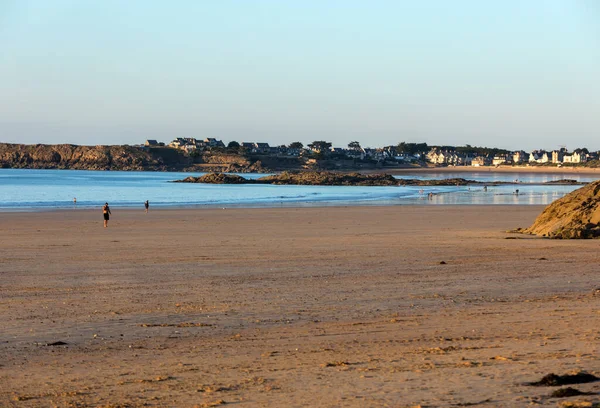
[(354, 146), (320, 146), (233, 145), (412, 148), (296, 145)]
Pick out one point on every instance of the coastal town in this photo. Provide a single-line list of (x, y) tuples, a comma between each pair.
[(213, 155), (403, 153)]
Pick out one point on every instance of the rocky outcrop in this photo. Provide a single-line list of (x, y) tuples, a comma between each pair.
[(78, 157), (437, 182), (215, 178), (224, 158), (569, 182), (324, 178), (124, 157), (576, 215)]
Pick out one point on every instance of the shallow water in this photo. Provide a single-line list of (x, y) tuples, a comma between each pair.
[(31, 190)]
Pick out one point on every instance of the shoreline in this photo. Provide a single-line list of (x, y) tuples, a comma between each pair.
[(388, 170), (292, 206), (284, 206)]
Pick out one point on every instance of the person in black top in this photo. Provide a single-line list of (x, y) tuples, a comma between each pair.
[(147, 205), (106, 213)]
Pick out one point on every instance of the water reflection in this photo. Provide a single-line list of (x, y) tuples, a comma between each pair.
[(500, 177), (500, 195)]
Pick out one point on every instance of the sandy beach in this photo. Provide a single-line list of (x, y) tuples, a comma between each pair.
[(405, 306), (500, 169)]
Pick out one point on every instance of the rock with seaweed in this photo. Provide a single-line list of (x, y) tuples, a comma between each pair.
[(215, 178), (325, 178)]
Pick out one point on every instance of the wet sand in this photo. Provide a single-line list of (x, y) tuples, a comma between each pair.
[(322, 307)]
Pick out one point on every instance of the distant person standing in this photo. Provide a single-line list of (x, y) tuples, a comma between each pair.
[(74, 200), (106, 213), (146, 206)]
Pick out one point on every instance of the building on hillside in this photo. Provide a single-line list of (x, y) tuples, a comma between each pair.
[(539, 156), (520, 156), (356, 154), (575, 157), (371, 154), (557, 156), (212, 142), (501, 159), (448, 157), (261, 148), (405, 157), (481, 161), (178, 143), (285, 151), (389, 152), (190, 144), (254, 147)]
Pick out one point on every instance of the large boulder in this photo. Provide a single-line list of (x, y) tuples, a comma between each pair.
[(576, 215)]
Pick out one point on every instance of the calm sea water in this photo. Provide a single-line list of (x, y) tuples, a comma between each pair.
[(31, 190)]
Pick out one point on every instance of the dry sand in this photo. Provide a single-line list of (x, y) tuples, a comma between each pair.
[(318, 307)]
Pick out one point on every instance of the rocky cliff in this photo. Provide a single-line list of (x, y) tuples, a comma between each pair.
[(125, 157), (576, 215), (83, 157)]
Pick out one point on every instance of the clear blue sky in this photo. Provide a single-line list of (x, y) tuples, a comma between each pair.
[(506, 73)]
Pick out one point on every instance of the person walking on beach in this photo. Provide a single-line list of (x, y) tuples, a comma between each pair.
[(106, 213), (147, 205)]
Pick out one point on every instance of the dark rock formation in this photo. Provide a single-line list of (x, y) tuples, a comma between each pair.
[(553, 380), (79, 157), (568, 392), (324, 178), (215, 178), (565, 182), (443, 182)]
